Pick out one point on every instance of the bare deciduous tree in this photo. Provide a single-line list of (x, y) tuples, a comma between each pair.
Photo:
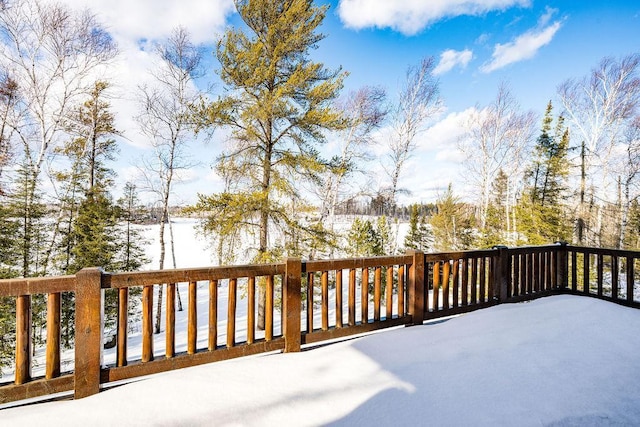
[(498, 136), (364, 111), (53, 55), (165, 120), (598, 105), (419, 100)]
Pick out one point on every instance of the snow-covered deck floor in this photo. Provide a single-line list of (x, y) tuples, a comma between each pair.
[(563, 360)]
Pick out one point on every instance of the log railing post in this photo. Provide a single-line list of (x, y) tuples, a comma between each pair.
[(415, 287), (562, 267), (88, 332), (501, 276), (292, 305), (23, 339)]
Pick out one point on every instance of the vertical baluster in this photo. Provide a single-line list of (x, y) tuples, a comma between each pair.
[(523, 274), (446, 275), (586, 274), (231, 313), (251, 310), (170, 331), (455, 283), (474, 281), (364, 295), (515, 289), (282, 298), (574, 271), (614, 277), (324, 283), (123, 323), (483, 279), (544, 270), (213, 315), (630, 278), (389, 290), (352, 297), (436, 286), (338, 298), (147, 323), (600, 272), (554, 258), (401, 290), (192, 318), (53, 336), (268, 331), (310, 302), (535, 270), (23, 339), (465, 281), (377, 291)]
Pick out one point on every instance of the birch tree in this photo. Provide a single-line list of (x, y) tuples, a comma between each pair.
[(364, 111), (53, 54), (165, 119), (597, 106), (497, 138), (418, 101)]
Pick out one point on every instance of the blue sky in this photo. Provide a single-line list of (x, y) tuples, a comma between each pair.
[(532, 45)]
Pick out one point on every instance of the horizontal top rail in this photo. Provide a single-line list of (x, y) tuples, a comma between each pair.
[(604, 251), (445, 256), (349, 263), (36, 285), (144, 278)]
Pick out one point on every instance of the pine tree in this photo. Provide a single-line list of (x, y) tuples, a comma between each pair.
[(363, 239), (412, 238), (278, 108), (452, 223), (420, 236), (131, 255), (496, 231), (543, 216)]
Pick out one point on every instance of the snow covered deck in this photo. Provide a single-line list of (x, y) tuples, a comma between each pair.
[(562, 360)]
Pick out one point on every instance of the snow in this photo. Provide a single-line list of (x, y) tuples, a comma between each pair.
[(561, 360)]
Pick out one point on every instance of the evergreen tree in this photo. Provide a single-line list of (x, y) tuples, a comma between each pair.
[(419, 236), (278, 107), (363, 239), (498, 214), (452, 223), (27, 212), (131, 255), (542, 211)]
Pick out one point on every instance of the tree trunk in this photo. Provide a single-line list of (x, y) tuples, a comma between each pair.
[(175, 265)]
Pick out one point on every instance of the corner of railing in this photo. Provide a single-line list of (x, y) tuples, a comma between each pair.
[(88, 332), (292, 304), (415, 287)]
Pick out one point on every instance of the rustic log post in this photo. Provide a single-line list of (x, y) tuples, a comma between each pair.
[(53, 336), (501, 276), (562, 266), (23, 339), (88, 333), (415, 287), (292, 305)]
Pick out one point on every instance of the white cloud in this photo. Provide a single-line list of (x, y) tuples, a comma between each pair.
[(450, 58), (154, 19), (412, 16), (523, 47)]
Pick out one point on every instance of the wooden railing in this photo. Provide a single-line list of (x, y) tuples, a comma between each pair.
[(305, 302)]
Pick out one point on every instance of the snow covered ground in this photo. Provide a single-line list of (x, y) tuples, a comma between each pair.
[(562, 361)]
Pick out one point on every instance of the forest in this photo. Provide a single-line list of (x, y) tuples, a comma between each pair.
[(571, 175)]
